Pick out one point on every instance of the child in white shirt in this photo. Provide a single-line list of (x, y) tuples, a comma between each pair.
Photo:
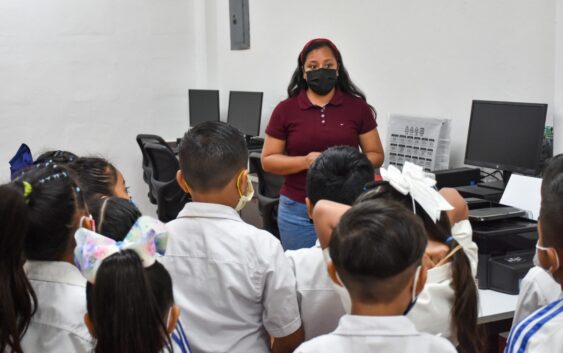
[(448, 304), (376, 253), (233, 282), (542, 331), (56, 210), (339, 174)]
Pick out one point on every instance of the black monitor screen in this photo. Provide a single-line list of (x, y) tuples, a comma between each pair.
[(505, 135), (203, 105), (245, 111)]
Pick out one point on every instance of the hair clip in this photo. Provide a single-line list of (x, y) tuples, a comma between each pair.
[(27, 188)]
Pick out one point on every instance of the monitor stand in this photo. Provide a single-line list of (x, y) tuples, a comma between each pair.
[(499, 184)]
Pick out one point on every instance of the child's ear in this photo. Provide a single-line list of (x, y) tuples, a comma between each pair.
[(90, 325), (242, 180), (310, 207), (87, 222), (182, 182), (174, 316), (332, 273), (422, 276)]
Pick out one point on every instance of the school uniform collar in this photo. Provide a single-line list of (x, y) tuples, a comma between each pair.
[(54, 271), (305, 103), (208, 210), (358, 325)]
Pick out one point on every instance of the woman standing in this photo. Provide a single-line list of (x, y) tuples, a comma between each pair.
[(324, 109)]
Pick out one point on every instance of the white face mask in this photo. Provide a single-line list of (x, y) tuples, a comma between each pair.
[(414, 297), (244, 199), (550, 270), (340, 290)]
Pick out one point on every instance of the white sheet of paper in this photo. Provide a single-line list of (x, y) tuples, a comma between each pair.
[(523, 192)]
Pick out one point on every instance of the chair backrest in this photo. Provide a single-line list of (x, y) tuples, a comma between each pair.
[(269, 184), (170, 198), (164, 163), (143, 139)]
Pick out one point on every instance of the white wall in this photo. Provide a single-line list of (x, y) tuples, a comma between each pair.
[(429, 58), (558, 111), (89, 75)]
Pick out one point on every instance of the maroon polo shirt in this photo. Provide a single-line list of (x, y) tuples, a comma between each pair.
[(309, 128)]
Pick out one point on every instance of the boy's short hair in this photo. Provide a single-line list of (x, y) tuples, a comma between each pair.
[(339, 174), (373, 247), (551, 211), (210, 154)]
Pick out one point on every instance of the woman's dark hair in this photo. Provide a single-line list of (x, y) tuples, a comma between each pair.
[(52, 203), (298, 83), (373, 246), (128, 305), (95, 175), (18, 302), (465, 307), (114, 216)]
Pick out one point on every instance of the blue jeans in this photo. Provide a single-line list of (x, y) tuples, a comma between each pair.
[(296, 229)]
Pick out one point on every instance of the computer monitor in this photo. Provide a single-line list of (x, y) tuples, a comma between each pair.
[(203, 106), (245, 111), (506, 136)]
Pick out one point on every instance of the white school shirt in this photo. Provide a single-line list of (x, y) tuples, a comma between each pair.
[(540, 332), (232, 282), (320, 305), (432, 312), (537, 289), (389, 334), (58, 325)]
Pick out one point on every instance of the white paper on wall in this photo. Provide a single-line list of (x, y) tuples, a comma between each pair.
[(422, 141)]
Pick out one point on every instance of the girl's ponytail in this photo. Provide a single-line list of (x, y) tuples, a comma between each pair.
[(17, 298), (465, 308), (126, 315)]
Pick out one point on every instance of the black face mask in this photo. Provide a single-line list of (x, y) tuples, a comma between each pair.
[(321, 81)]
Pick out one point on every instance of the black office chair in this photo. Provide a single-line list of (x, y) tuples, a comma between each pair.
[(269, 186), (170, 199), (142, 140)]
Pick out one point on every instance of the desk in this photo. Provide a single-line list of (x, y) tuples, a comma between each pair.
[(495, 306)]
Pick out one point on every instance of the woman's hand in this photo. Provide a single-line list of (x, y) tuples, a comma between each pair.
[(274, 158), (310, 158)]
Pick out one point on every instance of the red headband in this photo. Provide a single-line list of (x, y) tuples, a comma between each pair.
[(314, 41)]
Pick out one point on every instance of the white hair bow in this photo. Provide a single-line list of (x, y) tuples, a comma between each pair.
[(414, 181)]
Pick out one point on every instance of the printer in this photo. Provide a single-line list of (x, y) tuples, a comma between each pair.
[(506, 249)]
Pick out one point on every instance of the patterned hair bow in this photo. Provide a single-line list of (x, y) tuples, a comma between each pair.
[(147, 237), (414, 181)]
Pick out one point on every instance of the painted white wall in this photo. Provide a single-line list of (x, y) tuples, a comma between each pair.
[(89, 75), (558, 96), (428, 58)]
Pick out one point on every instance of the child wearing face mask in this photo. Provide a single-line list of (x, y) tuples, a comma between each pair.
[(129, 294), (117, 218), (56, 209), (376, 253), (448, 303), (231, 278), (542, 331), (339, 174)]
